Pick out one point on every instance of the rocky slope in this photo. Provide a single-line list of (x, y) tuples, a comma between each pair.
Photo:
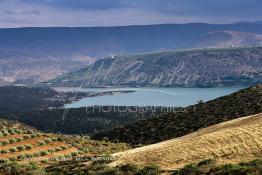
[(26, 67), (191, 68)]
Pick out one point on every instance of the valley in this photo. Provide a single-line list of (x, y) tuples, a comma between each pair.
[(118, 87)]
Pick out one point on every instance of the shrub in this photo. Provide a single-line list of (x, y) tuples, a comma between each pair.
[(64, 147), (12, 159), (4, 142), (12, 141), (190, 169), (3, 160), (60, 139), (12, 149), (28, 147), (18, 139), (206, 162), (41, 142), (58, 149), (28, 155), (36, 154), (129, 168), (20, 148), (54, 139), (21, 157), (26, 137), (51, 150), (43, 153), (149, 170), (4, 151), (48, 140)]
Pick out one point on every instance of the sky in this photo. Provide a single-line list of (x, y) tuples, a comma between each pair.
[(36, 13)]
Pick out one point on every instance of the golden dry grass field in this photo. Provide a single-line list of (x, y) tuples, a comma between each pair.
[(230, 142)]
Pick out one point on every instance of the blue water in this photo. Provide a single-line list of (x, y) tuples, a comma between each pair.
[(178, 97)]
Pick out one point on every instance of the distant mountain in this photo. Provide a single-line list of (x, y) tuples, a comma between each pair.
[(229, 39), (19, 67), (190, 68), (190, 119), (30, 55)]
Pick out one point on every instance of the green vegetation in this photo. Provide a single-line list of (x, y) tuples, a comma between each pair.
[(209, 168)]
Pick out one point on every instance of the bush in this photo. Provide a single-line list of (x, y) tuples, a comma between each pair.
[(3, 160), (58, 149), (12, 159), (64, 147), (60, 139), (4, 151), (36, 154), (26, 137), (43, 153), (18, 139), (21, 157), (149, 170), (41, 142), (206, 162), (51, 150), (28, 147), (12, 149), (48, 140), (20, 148), (12, 141), (129, 168), (3, 143)]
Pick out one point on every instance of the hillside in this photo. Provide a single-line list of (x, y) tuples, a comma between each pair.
[(230, 142), (28, 67), (27, 151), (229, 39), (29, 55), (190, 119), (26, 99), (190, 68)]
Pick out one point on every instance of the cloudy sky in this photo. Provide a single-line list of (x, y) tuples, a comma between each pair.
[(21, 13)]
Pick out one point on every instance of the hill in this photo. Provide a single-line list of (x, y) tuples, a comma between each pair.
[(29, 55), (229, 39), (230, 142), (190, 68), (26, 99), (25, 150), (190, 119)]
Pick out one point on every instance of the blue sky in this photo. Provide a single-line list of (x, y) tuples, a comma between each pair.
[(21, 13)]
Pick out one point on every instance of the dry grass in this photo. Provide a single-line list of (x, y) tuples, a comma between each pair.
[(230, 142)]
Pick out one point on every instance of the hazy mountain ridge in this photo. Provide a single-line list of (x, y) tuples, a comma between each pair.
[(18, 66), (229, 39), (41, 54), (192, 68)]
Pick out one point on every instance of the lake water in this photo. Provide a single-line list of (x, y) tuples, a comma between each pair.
[(178, 97)]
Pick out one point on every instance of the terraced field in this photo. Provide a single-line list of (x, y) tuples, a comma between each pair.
[(230, 142), (27, 151), (28, 145)]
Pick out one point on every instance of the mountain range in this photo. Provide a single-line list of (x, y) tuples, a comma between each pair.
[(42, 54), (186, 68)]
